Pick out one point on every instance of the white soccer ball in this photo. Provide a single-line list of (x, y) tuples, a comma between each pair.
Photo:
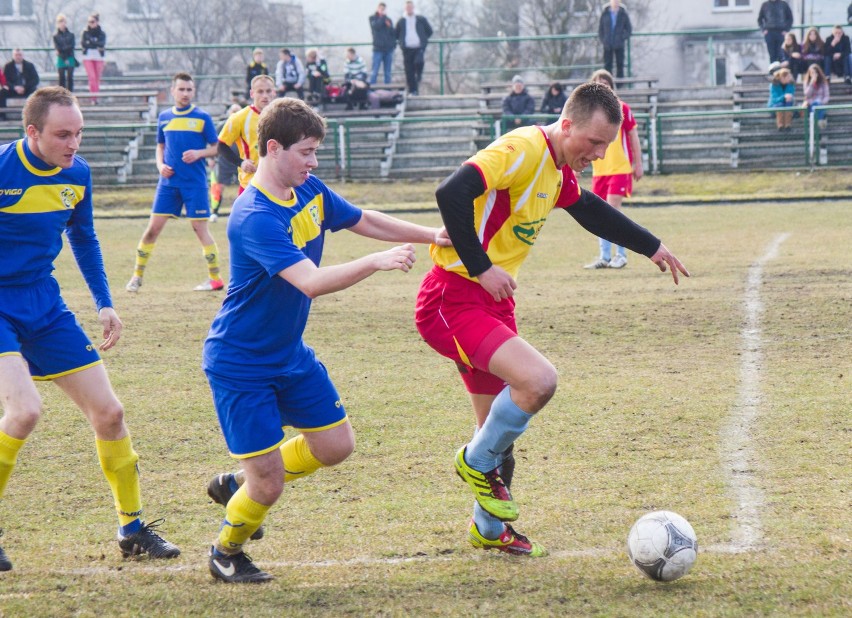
[(662, 545)]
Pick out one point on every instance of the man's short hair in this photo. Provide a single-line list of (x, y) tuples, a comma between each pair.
[(288, 121), (182, 76), (587, 99), (604, 75), (38, 104), (258, 78), (286, 51)]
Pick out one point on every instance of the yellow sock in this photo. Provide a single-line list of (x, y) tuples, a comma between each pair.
[(143, 252), (299, 462), (118, 461), (243, 517), (211, 256), (9, 448)]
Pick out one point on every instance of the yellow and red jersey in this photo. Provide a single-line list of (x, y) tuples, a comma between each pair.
[(241, 129)]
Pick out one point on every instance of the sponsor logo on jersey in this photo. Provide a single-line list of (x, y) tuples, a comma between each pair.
[(12, 191), (527, 232)]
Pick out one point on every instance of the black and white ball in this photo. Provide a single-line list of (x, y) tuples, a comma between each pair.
[(662, 545)]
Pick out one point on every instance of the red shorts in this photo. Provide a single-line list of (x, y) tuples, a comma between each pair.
[(617, 184), (461, 321)]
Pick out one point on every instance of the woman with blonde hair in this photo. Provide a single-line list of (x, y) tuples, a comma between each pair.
[(64, 43)]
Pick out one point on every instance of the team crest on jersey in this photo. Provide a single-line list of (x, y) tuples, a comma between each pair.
[(68, 197), (314, 210), (527, 232)]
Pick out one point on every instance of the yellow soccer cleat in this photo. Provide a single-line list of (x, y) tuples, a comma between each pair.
[(488, 489), (509, 542)]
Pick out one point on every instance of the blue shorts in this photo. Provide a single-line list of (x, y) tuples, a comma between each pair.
[(169, 201), (253, 414), (36, 324)]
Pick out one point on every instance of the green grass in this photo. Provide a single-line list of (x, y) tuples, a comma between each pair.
[(648, 377)]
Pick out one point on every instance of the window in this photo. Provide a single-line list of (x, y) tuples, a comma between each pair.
[(16, 8), (143, 8), (731, 4)]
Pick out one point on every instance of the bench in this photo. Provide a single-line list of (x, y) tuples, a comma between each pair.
[(621, 83)]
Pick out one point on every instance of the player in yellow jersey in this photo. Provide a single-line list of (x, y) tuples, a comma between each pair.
[(493, 207)]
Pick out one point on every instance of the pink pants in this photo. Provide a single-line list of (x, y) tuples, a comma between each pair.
[(94, 68)]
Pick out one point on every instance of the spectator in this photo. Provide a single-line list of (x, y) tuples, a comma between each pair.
[(554, 99), (614, 30), (64, 43), (21, 75), (813, 49), (290, 75), (93, 42), (412, 33), (775, 19), (849, 14), (816, 92), (384, 42), (355, 81), (837, 50), (318, 76), (781, 94), (256, 67), (4, 94), (791, 55), (516, 105)]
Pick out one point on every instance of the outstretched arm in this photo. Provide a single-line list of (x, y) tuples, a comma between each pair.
[(378, 225)]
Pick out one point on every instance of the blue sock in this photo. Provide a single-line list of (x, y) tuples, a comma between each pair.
[(489, 526), (132, 528), (505, 423)]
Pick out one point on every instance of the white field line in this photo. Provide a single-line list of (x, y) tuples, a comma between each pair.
[(737, 452)]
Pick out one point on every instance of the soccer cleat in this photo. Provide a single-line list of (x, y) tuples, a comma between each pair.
[(146, 541), (214, 217), (488, 489), (236, 568), (211, 285), (5, 563), (219, 490), (509, 542), (134, 284), (597, 264), (619, 261)]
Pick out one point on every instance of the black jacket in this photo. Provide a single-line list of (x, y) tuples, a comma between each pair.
[(553, 103), (421, 25), (519, 104), (384, 35), (614, 37), (28, 77), (775, 15), (93, 38), (64, 43)]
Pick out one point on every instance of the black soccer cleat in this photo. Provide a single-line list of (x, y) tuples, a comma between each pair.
[(146, 541), (5, 563), (219, 490), (236, 568)]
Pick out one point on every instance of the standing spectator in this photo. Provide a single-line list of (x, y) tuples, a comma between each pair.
[(64, 42), (290, 74), (21, 75), (355, 80), (613, 31), (813, 49), (775, 19), (93, 42), (412, 33), (384, 42), (837, 50), (554, 99), (613, 175), (517, 104), (816, 92), (781, 94), (318, 76), (256, 67), (791, 55)]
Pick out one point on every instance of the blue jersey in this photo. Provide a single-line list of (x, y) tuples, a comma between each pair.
[(258, 331), (37, 204), (180, 130)]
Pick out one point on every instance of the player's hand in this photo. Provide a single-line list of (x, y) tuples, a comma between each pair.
[(664, 257), (112, 327), (166, 171), (399, 258), (498, 283), (442, 239), (638, 172), (190, 156), (248, 166)]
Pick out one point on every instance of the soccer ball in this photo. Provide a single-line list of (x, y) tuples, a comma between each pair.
[(662, 545)]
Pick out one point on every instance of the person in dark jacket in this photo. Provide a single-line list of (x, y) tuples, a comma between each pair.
[(384, 42), (554, 99), (64, 42), (93, 42), (837, 50), (775, 19), (413, 32), (613, 31), (517, 104), (256, 67), (21, 75)]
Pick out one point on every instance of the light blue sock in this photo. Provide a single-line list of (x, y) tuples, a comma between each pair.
[(505, 423), (489, 526)]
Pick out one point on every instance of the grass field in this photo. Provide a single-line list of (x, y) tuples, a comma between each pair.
[(652, 377)]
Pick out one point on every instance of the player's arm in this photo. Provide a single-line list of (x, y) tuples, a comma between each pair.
[(225, 151), (636, 152), (166, 171), (602, 220), (191, 156), (315, 281), (378, 225)]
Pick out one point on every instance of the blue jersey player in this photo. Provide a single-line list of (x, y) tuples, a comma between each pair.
[(262, 374), (45, 190), (186, 135)]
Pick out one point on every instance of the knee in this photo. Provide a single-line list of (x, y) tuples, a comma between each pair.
[(334, 453), (107, 419), (267, 489), (539, 388), (21, 417)]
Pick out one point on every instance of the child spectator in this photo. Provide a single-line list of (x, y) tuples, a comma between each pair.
[(813, 49), (289, 75), (816, 92), (318, 77), (256, 67), (554, 99), (791, 56), (781, 94), (355, 80)]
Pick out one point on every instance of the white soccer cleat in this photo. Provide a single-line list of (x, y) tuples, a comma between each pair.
[(134, 284)]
